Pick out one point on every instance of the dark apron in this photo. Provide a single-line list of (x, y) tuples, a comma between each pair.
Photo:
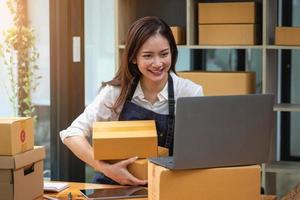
[(164, 123)]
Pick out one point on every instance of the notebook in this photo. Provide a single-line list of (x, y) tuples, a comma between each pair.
[(55, 186)]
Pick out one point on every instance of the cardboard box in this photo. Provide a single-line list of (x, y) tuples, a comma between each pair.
[(119, 140), (139, 168), (287, 36), (228, 183), (179, 34), (227, 13), (222, 83), (21, 175), (229, 34), (16, 135)]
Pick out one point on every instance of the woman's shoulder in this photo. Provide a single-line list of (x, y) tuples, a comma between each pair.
[(109, 92), (186, 87)]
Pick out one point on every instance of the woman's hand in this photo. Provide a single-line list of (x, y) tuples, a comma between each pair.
[(119, 173)]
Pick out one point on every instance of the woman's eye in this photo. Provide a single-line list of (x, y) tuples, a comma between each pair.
[(146, 56), (165, 54)]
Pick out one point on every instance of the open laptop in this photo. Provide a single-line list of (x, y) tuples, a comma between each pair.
[(219, 131)]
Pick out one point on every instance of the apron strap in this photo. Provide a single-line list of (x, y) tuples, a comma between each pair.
[(171, 118), (133, 87)]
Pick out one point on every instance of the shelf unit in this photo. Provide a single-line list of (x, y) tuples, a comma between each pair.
[(184, 13)]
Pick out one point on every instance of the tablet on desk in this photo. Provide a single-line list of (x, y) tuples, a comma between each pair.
[(115, 193)]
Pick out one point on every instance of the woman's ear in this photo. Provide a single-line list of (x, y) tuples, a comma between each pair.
[(134, 61)]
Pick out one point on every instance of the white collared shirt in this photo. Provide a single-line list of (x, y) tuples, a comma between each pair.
[(99, 109)]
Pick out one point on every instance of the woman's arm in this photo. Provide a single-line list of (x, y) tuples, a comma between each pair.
[(118, 171)]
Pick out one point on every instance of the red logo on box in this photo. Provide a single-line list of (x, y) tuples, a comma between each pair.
[(22, 136)]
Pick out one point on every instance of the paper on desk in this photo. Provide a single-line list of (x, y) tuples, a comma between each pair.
[(55, 186)]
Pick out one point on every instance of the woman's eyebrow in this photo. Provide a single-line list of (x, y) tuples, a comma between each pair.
[(146, 52), (167, 49)]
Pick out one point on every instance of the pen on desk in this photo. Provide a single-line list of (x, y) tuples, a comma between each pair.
[(49, 197), (70, 196)]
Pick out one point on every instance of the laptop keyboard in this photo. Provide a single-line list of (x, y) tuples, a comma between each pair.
[(166, 160)]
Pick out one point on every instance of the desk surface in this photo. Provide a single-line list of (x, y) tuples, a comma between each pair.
[(75, 187)]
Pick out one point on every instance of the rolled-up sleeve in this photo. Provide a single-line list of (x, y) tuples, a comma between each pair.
[(98, 110)]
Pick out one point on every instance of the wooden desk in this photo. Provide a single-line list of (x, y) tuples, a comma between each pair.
[(75, 187), (76, 195)]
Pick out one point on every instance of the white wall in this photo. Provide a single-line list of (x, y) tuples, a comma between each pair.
[(99, 45), (38, 12)]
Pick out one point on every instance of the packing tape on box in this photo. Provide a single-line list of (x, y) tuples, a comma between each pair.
[(23, 135)]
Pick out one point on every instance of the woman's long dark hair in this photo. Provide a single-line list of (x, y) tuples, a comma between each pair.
[(139, 32)]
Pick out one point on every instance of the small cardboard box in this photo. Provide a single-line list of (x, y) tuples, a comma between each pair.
[(139, 168), (124, 139), (228, 183), (21, 175), (16, 135), (287, 36), (222, 83), (229, 34), (227, 13), (178, 33)]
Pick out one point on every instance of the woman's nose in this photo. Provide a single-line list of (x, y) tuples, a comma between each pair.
[(157, 62)]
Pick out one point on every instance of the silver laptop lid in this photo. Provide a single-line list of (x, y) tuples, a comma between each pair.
[(216, 131)]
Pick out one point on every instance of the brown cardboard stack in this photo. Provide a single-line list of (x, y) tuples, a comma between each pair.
[(287, 36), (228, 23), (228, 183), (21, 164), (118, 140)]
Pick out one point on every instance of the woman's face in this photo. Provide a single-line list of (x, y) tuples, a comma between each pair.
[(154, 59)]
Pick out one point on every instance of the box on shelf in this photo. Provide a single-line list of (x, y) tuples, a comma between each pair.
[(16, 135), (115, 140), (222, 83), (21, 175), (287, 36), (229, 34), (227, 13), (179, 34), (227, 183)]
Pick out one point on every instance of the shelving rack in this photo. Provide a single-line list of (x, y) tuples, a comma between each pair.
[(184, 13)]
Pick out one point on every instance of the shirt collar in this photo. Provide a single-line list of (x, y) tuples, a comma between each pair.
[(162, 95)]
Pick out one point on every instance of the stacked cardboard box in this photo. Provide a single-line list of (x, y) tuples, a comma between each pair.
[(226, 183), (287, 36), (21, 164), (228, 23), (118, 140), (17, 135)]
